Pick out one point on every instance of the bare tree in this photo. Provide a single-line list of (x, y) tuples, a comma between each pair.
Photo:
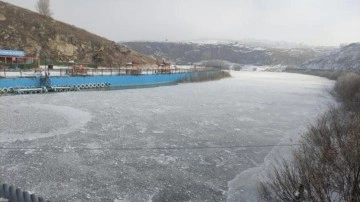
[(43, 7)]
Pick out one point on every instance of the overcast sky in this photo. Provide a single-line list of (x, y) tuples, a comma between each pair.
[(313, 22)]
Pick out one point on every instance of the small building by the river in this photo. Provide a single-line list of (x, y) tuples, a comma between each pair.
[(13, 58)]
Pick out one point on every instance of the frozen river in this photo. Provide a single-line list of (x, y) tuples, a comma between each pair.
[(188, 142)]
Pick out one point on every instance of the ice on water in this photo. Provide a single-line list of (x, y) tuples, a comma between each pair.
[(83, 142)]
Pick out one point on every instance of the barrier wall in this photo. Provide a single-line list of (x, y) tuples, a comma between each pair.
[(19, 82), (115, 80), (126, 80)]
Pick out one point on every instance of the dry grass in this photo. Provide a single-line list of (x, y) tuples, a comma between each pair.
[(347, 90)]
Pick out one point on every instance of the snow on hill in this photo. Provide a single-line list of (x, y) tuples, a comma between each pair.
[(345, 58)]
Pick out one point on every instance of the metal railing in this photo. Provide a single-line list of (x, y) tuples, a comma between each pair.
[(9, 73)]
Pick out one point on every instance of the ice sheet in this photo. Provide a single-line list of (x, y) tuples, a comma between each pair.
[(111, 145)]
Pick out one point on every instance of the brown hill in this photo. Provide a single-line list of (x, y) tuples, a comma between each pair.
[(56, 41)]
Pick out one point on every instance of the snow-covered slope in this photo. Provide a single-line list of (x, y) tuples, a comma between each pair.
[(345, 58)]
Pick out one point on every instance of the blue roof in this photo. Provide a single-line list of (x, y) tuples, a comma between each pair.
[(12, 53)]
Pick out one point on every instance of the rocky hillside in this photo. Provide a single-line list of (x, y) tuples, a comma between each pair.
[(234, 52), (345, 58), (59, 42)]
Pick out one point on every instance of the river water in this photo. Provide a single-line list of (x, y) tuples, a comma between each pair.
[(206, 141)]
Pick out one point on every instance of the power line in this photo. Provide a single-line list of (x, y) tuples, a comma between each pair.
[(147, 148)]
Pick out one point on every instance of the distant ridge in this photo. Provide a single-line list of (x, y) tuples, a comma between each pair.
[(249, 53), (56, 41), (345, 58)]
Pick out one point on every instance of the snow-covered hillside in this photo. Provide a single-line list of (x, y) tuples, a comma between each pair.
[(345, 58)]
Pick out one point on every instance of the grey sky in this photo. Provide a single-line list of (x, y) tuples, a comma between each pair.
[(313, 22)]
